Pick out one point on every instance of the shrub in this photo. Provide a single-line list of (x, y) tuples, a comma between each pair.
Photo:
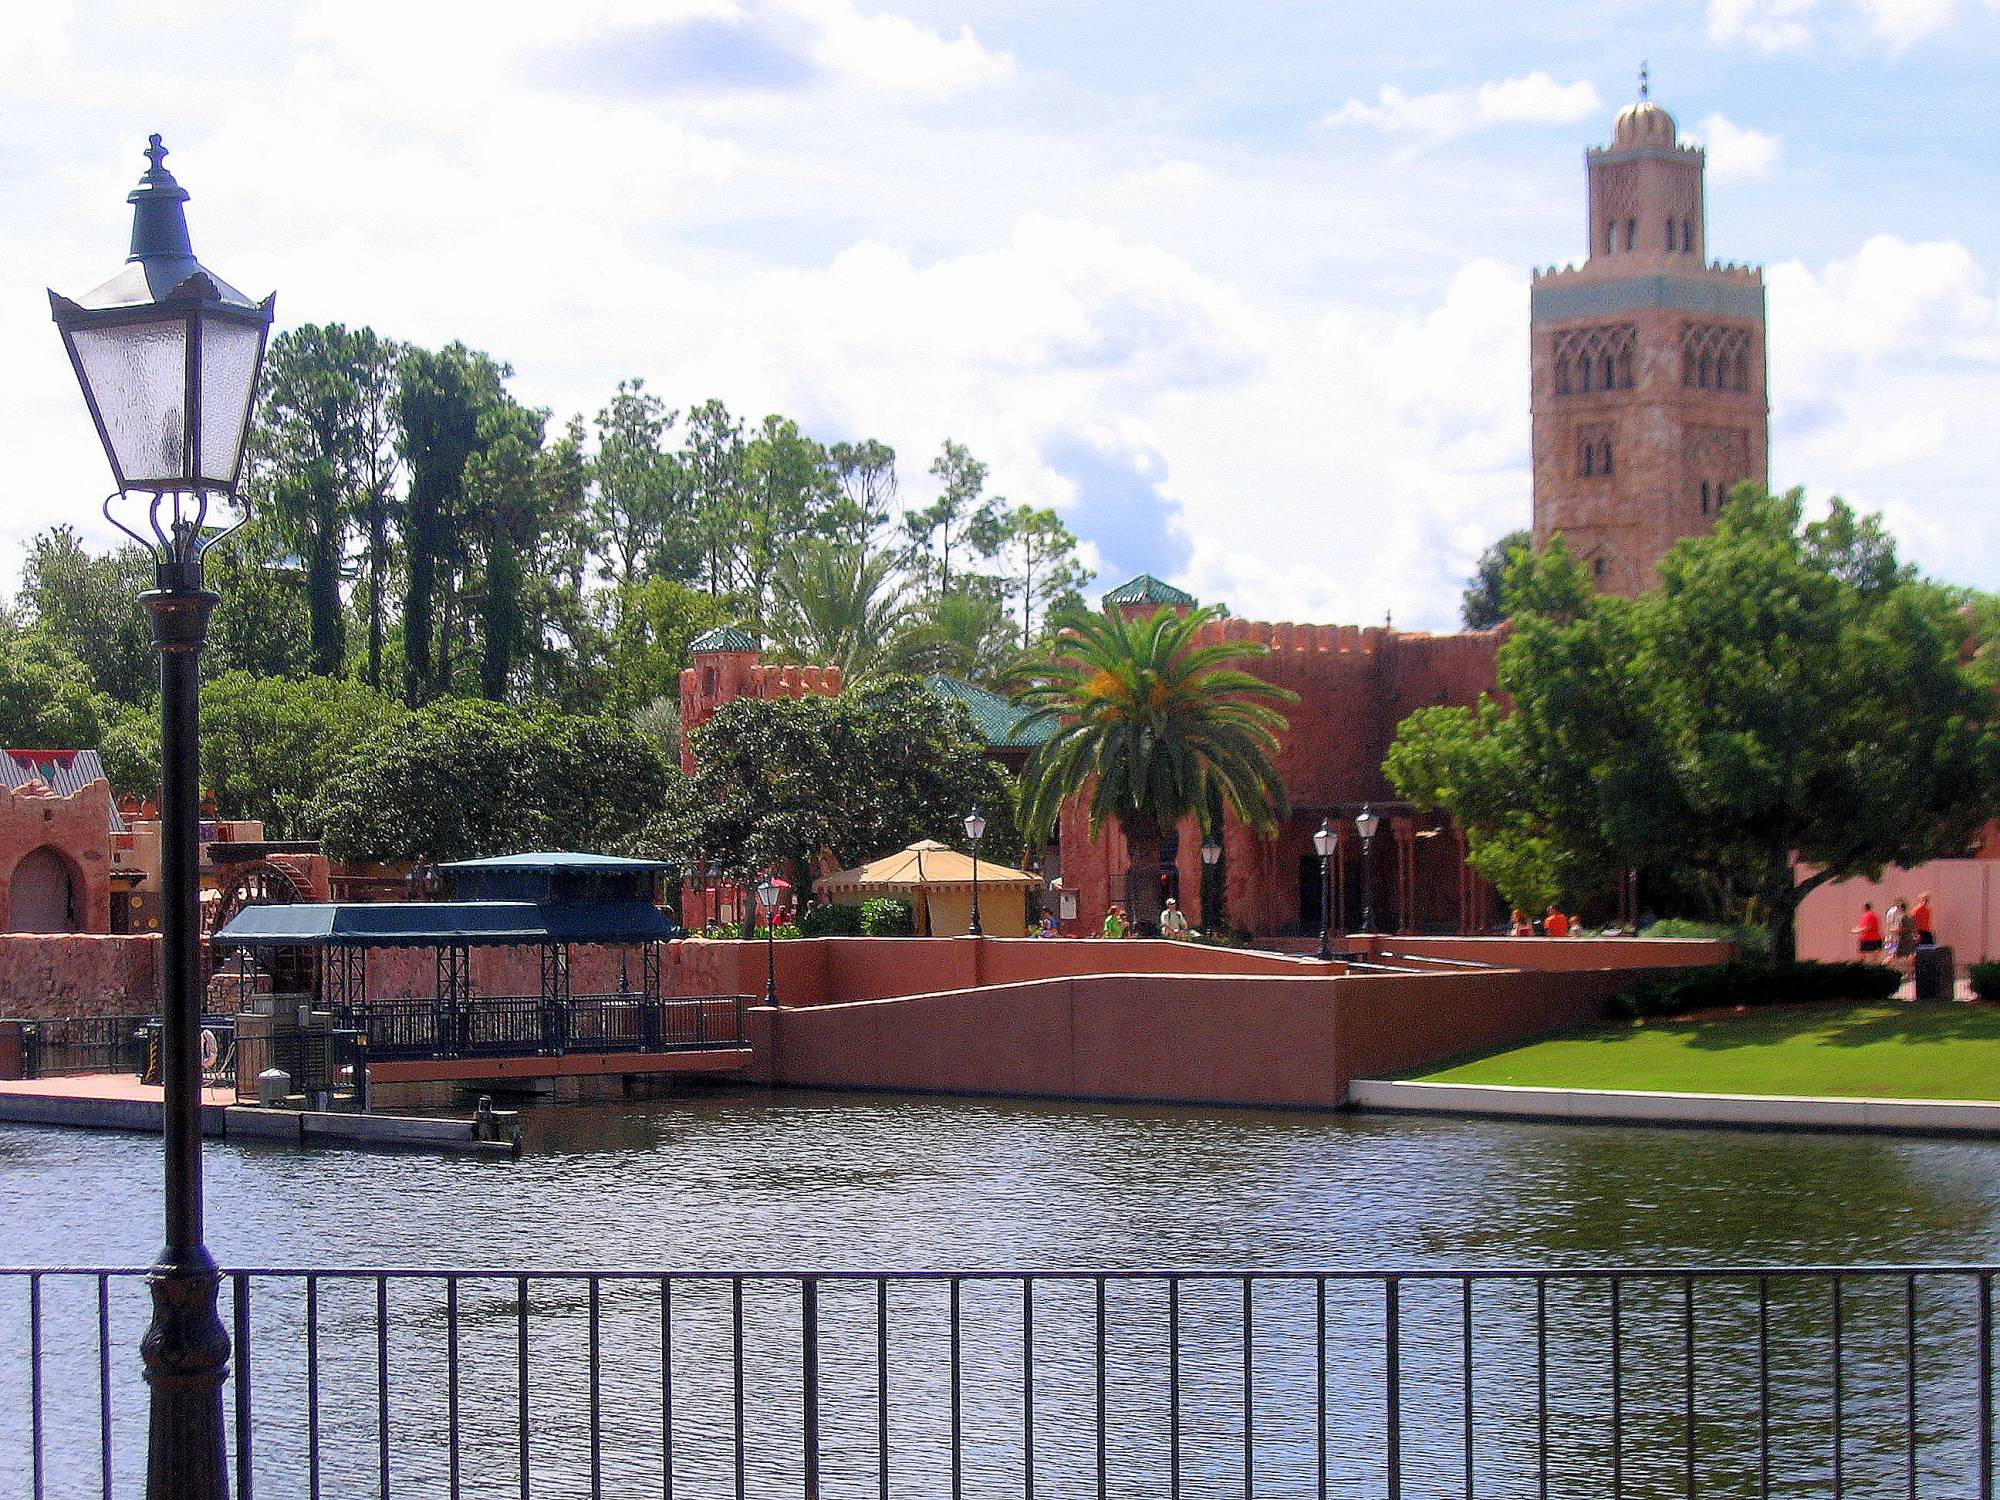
[(1751, 940), (832, 921), (1753, 981), (1985, 980), (888, 916)]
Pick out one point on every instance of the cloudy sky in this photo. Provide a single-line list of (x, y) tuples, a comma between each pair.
[(1240, 288)]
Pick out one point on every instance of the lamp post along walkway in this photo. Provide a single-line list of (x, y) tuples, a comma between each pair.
[(1365, 824), (168, 356), (975, 830)]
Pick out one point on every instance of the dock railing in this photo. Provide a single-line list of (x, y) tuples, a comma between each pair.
[(528, 1026), (1744, 1381)]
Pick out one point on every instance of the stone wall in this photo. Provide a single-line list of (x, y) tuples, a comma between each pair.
[(63, 974)]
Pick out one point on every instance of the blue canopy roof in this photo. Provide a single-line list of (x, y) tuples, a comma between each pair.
[(585, 863), (435, 924)]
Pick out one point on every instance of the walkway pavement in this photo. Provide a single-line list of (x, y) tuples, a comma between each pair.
[(101, 1086)]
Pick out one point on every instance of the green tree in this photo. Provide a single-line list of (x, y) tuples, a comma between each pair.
[(962, 521), (963, 631), (791, 496), (91, 604), (270, 746), (1482, 605), (712, 459), (648, 627), (1150, 726), (1041, 568), (866, 473), (263, 625), (439, 398), (1791, 706), (838, 604), (47, 701), (783, 782), (635, 489), (462, 778)]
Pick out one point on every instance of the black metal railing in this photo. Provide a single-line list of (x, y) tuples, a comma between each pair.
[(82, 1044), (525, 1026), (1432, 1382)]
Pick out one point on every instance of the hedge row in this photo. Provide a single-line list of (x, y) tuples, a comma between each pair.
[(1754, 981)]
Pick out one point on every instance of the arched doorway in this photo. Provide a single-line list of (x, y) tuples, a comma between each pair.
[(42, 897)]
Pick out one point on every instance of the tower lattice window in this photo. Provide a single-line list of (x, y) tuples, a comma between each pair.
[(1600, 359), (1714, 357)]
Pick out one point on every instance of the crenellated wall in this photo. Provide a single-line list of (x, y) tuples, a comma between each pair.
[(76, 829), (719, 677)]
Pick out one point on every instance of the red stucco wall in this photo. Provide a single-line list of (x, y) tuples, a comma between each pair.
[(78, 828)]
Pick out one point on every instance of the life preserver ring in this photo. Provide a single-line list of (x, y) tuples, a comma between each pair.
[(211, 1050)]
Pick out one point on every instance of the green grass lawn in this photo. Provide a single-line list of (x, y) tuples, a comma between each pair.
[(1935, 1050)]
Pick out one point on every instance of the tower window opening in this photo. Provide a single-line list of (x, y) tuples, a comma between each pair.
[(1721, 494), (1604, 457), (1687, 235), (1672, 242), (1703, 370), (1610, 373), (1597, 568), (1625, 369), (708, 682), (1704, 497), (1583, 373), (1587, 463), (1741, 373), (1631, 233), (1610, 238), (1562, 377)]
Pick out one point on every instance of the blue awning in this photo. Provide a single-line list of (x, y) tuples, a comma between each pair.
[(437, 924)]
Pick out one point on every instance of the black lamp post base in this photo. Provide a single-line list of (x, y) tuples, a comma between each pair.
[(186, 1354)]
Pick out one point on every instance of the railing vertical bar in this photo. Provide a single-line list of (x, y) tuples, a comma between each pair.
[(382, 1381), (882, 1387), (521, 1379), (104, 1386), (1542, 1387), (1617, 1392), (1319, 1378), (666, 1388), (1465, 1371), (1249, 1398), (1839, 1393), (736, 1366), (451, 1375), (240, 1374), (957, 1468), (312, 1387), (1687, 1381), (1028, 1386), (1103, 1472), (1910, 1382), (1764, 1387), (1174, 1385), (1392, 1355), (596, 1393), (35, 1381), (809, 1382), (1985, 1386)]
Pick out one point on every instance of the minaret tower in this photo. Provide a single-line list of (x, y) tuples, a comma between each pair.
[(1647, 363)]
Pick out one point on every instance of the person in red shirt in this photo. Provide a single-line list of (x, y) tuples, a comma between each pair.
[(1920, 914), (1869, 933), (1555, 924)]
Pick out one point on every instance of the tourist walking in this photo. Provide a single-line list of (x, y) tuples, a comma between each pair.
[(1905, 936), (1926, 922), (1868, 933)]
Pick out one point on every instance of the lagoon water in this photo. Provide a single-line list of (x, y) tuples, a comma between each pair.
[(746, 1180)]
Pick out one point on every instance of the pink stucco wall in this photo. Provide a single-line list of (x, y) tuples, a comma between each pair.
[(77, 828), (1965, 908), (63, 974)]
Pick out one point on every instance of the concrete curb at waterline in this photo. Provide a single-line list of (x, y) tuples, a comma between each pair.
[(244, 1122), (1640, 1107)]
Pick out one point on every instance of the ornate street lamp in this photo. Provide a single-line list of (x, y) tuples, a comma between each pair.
[(975, 830), (168, 356), (1325, 841), (1212, 915), (769, 892), (1365, 824)]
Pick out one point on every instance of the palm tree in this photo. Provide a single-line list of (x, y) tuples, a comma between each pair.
[(839, 603), (964, 632), (1150, 727)]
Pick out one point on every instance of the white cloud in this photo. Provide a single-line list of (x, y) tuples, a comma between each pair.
[(894, 53), (1901, 23), (1533, 98), (1736, 153), (1768, 25), (38, 36)]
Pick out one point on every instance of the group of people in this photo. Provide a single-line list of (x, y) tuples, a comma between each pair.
[(1897, 933), (1173, 922), (1554, 923)]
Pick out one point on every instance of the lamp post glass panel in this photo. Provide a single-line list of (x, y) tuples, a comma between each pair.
[(1365, 824), (975, 830), (1325, 842), (168, 356), (768, 895)]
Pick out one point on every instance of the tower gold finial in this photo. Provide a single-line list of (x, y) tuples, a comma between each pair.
[(1645, 81)]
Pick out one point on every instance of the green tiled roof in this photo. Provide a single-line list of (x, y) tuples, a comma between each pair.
[(997, 718), (1146, 589), (724, 638)]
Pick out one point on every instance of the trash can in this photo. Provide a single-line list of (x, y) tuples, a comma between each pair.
[(1937, 977)]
